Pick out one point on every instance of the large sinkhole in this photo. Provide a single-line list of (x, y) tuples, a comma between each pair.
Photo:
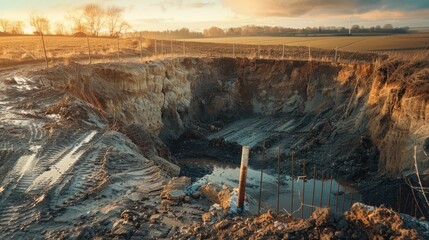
[(349, 128), (355, 123)]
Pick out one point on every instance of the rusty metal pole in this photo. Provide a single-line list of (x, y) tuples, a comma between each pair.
[(336, 197), (278, 180), (330, 192), (156, 53), (141, 47), (44, 49), (243, 173), (262, 173), (293, 183), (344, 198), (283, 53), (118, 51), (171, 47), (351, 197), (314, 185), (303, 191), (184, 51), (321, 191), (89, 49)]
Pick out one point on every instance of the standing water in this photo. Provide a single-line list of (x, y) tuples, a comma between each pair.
[(336, 195)]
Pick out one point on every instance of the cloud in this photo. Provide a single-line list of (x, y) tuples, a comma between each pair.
[(167, 4), (296, 8)]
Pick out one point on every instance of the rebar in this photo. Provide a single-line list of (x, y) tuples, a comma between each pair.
[(336, 197), (262, 173), (330, 192), (314, 184), (321, 191), (293, 181), (278, 180), (303, 191)]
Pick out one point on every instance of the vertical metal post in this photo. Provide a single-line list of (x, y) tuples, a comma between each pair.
[(303, 191), (344, 198), (309, 53), (259, 51), (283, 52), (293, 183), (89, 49), (314, 185), (336, 50), (44, 50), (184, 51), (233, 50), (141, 47), (118, 51), (162, 47), (171, 47), (321, 191), (278, 180), (351, 197), (262, 173), (336, 197), (243, 173), (156, 53), (330, 192)]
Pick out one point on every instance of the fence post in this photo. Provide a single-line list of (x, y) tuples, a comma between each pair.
[(336, 49), (259, 51), (44, 49), (233, 50), (141, 48), (243, 173), (309, 53), (283, 52), (321, 191), (171, 47), (119, 59), (155, 48), (184, 51), (89, 49), (314, 184), (162, 47)]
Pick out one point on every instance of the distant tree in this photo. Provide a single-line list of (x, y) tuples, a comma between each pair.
[(95, 17), (17, 27), (40, 23), (213, 32), (355, 27), (4, 24), (59, 29), (77, 23), (124, 27), (114, 20), (388, 26)]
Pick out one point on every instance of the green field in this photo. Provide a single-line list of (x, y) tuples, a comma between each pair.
[(352, 43)]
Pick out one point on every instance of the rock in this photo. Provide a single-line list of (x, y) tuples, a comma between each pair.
[(154, 218), (124, 230), (196, 195), (323, 217), (175, 189), (166, 202), (86, 233), (207, 217), (217, 194), (222, 225), (171, 168)]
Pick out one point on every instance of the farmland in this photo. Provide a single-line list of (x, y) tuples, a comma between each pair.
[(349, 43)]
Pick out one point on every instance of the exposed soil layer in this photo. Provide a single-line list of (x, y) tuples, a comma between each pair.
[(82, 146)]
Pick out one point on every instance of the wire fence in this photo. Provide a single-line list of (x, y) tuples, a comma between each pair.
[(53, 50)]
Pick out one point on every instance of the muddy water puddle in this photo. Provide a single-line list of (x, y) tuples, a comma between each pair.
[(338, 195)]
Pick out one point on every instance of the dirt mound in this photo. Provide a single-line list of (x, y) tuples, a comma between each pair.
[(362, 222)]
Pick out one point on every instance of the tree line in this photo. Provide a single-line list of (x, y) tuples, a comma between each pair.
[(91, 19)]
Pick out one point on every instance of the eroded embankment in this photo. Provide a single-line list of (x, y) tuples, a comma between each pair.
[(355, 117)]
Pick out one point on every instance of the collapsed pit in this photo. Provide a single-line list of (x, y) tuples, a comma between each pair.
[(129, 128)]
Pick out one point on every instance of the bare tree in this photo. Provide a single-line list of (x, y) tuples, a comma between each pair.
[(4, 23), (59, 28), (77, 23), (40, 23), (95, 17), (114, 19), (124, 27), (17, 27)]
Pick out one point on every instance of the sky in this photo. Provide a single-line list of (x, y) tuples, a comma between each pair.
[(200, 14)]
